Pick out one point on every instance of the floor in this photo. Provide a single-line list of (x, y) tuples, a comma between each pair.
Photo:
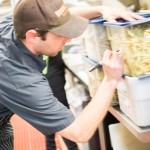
[(28, 138)]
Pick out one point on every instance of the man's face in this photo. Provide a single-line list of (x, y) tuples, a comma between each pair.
[(51, 45)]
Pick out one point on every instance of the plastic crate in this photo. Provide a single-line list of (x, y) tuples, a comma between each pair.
[(132, 39), (134, 99), (95, 78), (96, 40)]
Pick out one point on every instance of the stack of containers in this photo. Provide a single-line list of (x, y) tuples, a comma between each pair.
[(96, 42), (132, 39), (94, 77)]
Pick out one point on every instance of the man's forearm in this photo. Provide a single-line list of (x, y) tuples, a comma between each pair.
[(108, 13), (85, 125), (88, 12)]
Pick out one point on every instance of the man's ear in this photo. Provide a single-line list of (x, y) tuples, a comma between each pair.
[(31, 35)]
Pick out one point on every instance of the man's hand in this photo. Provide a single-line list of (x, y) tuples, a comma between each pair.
[(113, 65), (111, 14)]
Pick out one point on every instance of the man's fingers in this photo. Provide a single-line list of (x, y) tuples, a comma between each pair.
[(117, 57), (130, 16), (107, 55), (110, 19), (135, 16)]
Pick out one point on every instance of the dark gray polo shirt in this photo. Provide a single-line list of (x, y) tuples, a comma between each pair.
[(23, 88)]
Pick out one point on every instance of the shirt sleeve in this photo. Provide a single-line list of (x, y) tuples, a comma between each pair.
[(29, 96), (6, 22)]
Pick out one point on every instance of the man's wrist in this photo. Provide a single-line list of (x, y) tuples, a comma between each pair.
[(112, 83)]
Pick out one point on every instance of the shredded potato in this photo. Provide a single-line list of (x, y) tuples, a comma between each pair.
[(135, 48)]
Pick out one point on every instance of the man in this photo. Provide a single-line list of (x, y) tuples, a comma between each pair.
[(55, 76), (42, 27)]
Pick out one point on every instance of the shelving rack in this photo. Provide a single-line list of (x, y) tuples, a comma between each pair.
[(114, 115)]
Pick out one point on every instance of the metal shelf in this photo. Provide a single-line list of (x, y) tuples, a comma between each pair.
[(141, 133)]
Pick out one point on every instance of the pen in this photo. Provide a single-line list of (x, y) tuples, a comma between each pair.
[(98, 65)]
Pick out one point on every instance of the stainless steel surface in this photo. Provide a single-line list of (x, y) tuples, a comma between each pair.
[(141, 133)]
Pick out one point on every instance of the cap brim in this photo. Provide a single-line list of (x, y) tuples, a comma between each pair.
[(73, 28)]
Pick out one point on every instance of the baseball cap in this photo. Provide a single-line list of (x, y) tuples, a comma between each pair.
[(48, 15)]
